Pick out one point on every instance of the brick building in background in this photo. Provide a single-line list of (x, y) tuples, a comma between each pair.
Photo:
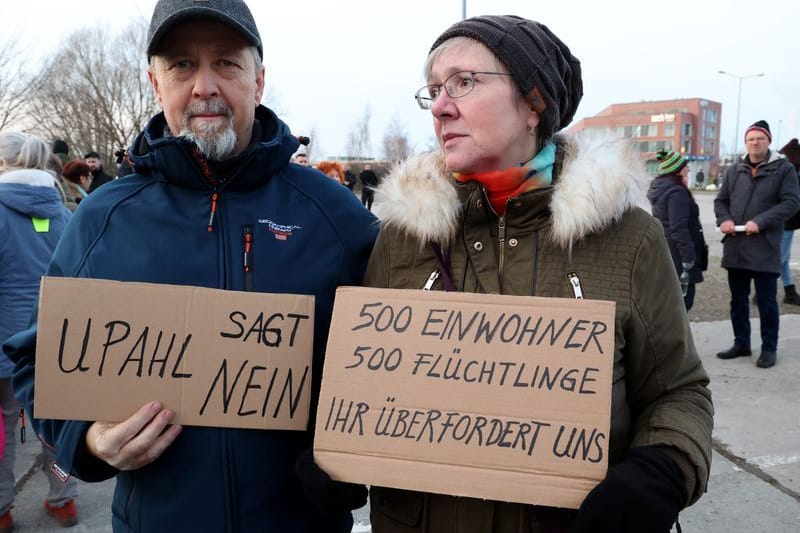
[(690, 126)]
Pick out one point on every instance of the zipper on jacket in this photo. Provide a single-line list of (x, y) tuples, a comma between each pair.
[(22, 425), (247, 258), (575, 284), (431, 280), (501, 241), (129, 501), (214, 199), (534, 259)]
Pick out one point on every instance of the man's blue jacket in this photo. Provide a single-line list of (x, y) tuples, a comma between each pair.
[(179, 220)]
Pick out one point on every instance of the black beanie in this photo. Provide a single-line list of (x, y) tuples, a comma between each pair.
[(548, 75), (60, 147), (761, 126)]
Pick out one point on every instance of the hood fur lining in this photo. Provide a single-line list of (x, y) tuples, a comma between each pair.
[(600, 180)]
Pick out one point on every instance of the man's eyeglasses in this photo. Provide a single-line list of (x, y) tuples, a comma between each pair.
[(456, 85)]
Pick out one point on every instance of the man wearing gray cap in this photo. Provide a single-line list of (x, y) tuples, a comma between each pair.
[(212, 180)]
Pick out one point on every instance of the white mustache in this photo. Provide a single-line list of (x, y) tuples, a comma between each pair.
[(208, 106)]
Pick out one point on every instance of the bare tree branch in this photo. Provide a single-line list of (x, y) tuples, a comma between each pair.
[(396, 146), (94, 92), (15, 82), (358, 140)]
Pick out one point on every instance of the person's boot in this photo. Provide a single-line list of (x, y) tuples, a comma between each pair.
[(790, 295), (735, 351), (766, 359)]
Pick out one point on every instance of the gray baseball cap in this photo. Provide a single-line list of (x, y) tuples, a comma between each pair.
[(234, 13)]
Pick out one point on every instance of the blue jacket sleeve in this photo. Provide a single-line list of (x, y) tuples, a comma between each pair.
[(66, 437)]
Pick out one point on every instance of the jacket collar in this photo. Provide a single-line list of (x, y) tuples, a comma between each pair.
[(599, 180), (170, 158)]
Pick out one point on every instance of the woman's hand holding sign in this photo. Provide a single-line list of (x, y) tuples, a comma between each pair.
[(135, 442)]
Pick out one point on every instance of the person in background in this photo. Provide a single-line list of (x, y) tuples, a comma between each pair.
[(79, 179), (56, 167), (301, 158), (60, 149), (350, 179), (699, 178), (674, 206), (759, 193), (792, 152), (506, 206), (369, 180), (332, 169), (32, 219), (211, 181), (99, 177)]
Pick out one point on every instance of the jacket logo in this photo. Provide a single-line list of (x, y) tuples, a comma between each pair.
[(59, 472), (280, 231)]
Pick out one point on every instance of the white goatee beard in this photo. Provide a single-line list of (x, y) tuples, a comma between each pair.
[(214, 142)]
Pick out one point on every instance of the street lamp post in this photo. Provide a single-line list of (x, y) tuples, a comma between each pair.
[(738, 104)]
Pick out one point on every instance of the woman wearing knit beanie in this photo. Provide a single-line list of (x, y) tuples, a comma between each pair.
[(674, 206), (508, 206)]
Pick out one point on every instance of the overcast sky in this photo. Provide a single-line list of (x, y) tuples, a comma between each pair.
[(328, 60)]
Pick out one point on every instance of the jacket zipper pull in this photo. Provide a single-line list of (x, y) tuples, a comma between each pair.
[(248, 245), (214, 198), (22, 425), (431, 280), (247, 257), (575, 283)]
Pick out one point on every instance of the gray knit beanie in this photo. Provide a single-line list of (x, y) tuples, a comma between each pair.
[(548, 75)]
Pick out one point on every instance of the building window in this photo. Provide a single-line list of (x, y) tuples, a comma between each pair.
[(686, 146), (710, 132), (669, 130), (648, 130), (620, 131), (687, 130), (710, 115)]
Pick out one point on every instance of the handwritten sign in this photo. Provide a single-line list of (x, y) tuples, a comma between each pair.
[(217, 358), (499, 397)]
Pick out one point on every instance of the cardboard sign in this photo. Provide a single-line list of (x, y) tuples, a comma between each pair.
[(499, 397), (217, 358)]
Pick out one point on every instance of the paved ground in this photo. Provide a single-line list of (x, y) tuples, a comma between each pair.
[(755, 474)]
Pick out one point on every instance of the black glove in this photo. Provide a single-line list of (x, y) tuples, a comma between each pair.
[(644, 492), (328, 495)]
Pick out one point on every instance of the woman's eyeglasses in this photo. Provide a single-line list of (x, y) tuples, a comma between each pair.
[(456, 85)]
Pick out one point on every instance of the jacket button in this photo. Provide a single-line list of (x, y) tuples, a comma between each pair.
[(513, 242), (478, 246), (479, 204)]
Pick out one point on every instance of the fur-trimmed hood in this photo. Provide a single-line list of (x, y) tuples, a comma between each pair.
[(600, 179)]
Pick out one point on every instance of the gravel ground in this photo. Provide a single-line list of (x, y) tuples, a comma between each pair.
[(712, 299)]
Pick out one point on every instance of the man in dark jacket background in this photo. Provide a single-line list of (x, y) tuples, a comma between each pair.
[(211, 174), (757, 196), (369, 181), (99, 176)]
